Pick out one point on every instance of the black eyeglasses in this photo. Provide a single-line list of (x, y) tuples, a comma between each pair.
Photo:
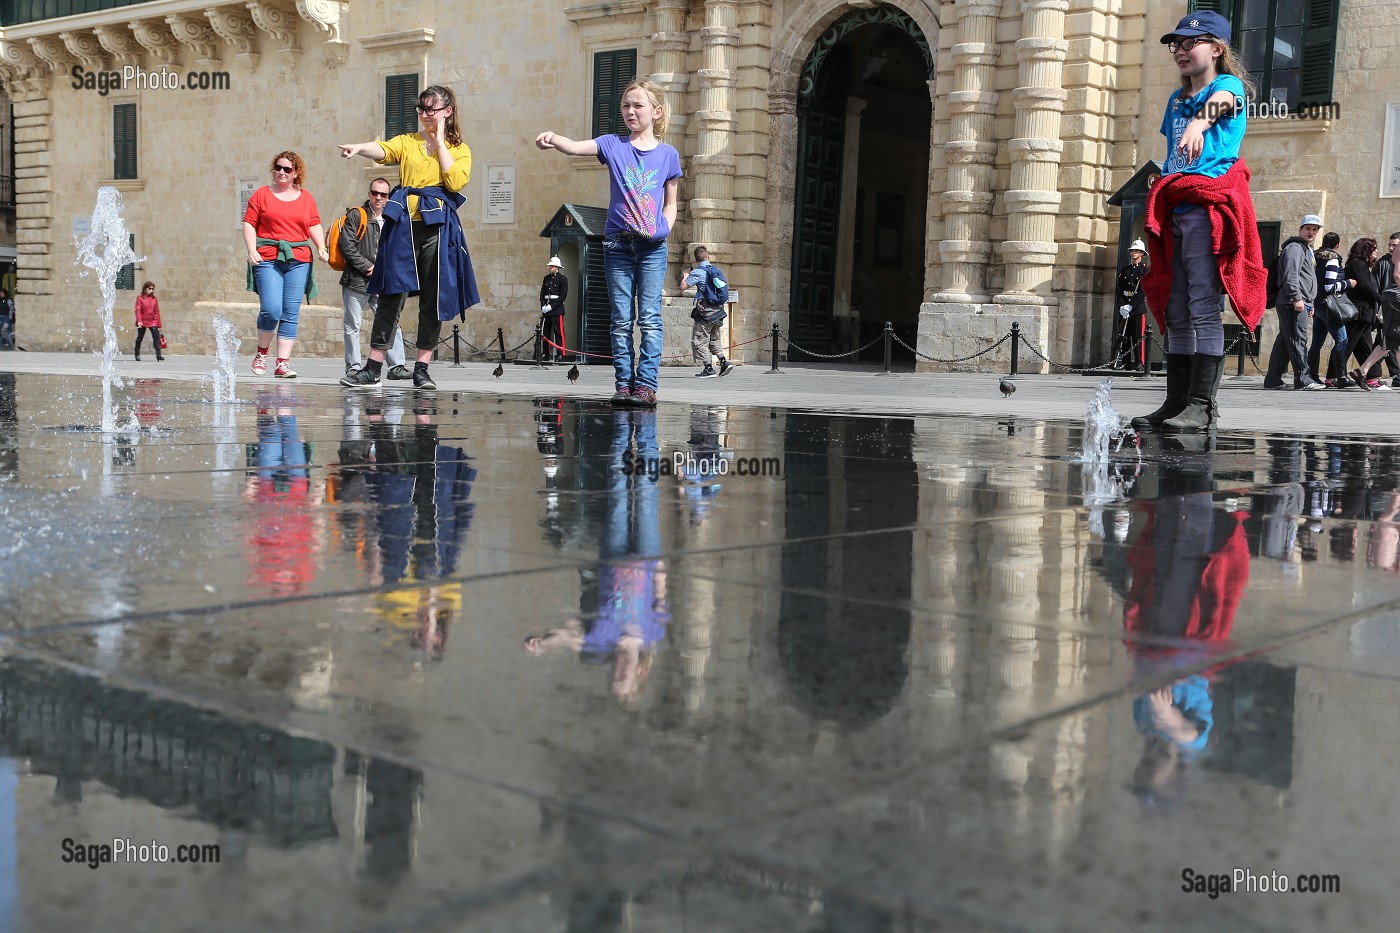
[(427, 110), (1186, 45), (378, 194), (283, 168)]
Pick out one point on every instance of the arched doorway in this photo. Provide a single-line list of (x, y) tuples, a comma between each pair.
[(864, 114)]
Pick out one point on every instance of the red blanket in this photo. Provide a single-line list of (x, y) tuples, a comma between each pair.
[(1234, 232)]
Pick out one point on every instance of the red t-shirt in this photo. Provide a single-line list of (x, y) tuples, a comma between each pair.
[(274, 219)]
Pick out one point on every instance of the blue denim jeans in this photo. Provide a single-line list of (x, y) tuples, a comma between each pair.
[(635, 271), (280, 450), (633, 527), (1195, 304), (281, 286)]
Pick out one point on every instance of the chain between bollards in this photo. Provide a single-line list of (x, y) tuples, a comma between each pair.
[(773, 367), (1015, 347), (889, 341)]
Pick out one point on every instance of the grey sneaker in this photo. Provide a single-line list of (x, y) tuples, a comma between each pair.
[(725, 367), (421, 380), (361, 379), (400, 372), (707, 373)]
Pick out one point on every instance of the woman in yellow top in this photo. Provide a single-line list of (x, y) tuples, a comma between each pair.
[(434, 158)]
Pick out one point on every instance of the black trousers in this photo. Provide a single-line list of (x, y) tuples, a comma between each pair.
[(554, 331), (1362, 346), (386, 315), (155, 340)]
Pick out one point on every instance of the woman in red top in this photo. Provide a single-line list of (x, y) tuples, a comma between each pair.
[(279, 229), (148, 316)]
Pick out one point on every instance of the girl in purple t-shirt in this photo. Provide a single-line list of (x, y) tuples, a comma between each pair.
[(643, 175)]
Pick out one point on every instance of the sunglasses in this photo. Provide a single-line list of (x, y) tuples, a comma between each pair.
[(283, 168), (1186, 45), (427, 110), (379, 194)]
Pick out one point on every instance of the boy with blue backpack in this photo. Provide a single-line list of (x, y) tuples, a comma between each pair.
[(711, 295)]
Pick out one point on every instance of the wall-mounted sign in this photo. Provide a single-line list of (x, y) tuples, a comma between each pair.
[(1390, 153), (500, 194)]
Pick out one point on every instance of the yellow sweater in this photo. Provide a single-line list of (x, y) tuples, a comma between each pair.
[(417, 169)]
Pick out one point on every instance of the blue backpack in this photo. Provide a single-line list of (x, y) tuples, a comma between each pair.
[(714, 291)]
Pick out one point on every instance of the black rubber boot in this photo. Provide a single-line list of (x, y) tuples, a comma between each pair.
[(1178, 388), (1205, 380)]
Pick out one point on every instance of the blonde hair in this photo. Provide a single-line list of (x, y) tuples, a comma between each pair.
[(658, 99), (1229, 63)]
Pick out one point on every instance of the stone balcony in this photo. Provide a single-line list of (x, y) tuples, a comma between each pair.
[(162, 33)]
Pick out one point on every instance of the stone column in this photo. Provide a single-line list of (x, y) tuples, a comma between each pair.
[(712, 207), (1033, 198), (970, 154)]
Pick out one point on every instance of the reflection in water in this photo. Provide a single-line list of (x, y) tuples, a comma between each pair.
[(283, 528), (1190, 568), (846, 661), (9, 429), (632, 613), (700, 474), (417, 491)]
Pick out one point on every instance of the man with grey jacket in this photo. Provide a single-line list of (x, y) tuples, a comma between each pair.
[(1297, 290), (360, 251)]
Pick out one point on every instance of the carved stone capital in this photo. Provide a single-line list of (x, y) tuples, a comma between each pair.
[(237, 31), (52, 52), (119, 44), (155, 37), (277, 23), (84, 47), (198, 35)]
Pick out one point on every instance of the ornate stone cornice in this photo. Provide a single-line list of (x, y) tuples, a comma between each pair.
[(52, 52), (155, 37), (326, 15), (277, 23), (119, 43), (22, 73), (408, 38), (606, 8), (238, 32), (198, 35), (85, 48)]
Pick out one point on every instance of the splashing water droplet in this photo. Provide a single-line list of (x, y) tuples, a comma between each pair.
[(105, 249)]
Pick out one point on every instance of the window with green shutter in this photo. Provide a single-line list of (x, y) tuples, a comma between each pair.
[(123, 140), (400, 99), (1289, 46), (612, 71), (126, 275)]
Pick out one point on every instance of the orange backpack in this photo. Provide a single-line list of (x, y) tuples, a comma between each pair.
[(337, 258)]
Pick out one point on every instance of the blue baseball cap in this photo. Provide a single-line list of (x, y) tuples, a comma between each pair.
[(1204, 23)]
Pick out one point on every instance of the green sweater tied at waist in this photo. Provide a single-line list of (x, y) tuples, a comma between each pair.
[(284, 254)]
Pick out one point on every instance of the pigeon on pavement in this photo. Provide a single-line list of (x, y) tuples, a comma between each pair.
[(573, 373), (1007, 387), (498, 371)]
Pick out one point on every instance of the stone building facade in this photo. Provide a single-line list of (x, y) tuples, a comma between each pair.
[(942, 165)]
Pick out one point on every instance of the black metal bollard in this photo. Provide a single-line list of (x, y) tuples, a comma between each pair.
[(889, 345), (1015, 347), (501, 339), (1147, 351), (539, 346), (456, 346), (1239, 355), (773, 367)]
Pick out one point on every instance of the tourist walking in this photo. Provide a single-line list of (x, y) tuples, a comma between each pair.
[(640, 168), (1365, 275), (280, 227), (1202, 198), (422, 250), (709, 313), (148, 318), (1330, 283), (359, 244), (1296, 302)]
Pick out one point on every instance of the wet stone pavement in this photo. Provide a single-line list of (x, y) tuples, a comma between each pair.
[(469, 662)]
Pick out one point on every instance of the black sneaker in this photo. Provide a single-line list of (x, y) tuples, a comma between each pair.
[(725, 368), (421, 380), (362, 379), (351, 370), (707, 373), (400, 372)]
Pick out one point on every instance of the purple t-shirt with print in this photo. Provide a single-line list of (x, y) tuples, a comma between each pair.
[(637, 185)]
